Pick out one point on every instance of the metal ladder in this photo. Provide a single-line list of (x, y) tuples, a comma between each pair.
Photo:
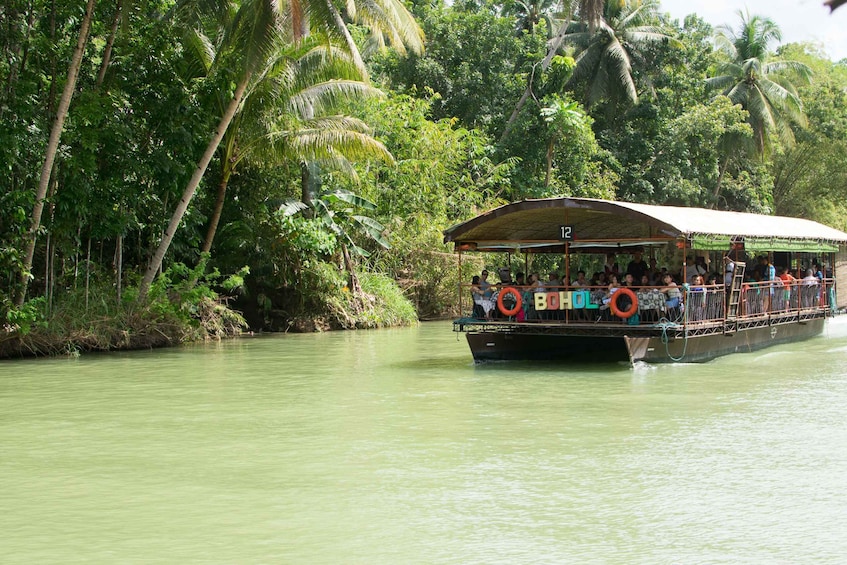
[(735, 291)]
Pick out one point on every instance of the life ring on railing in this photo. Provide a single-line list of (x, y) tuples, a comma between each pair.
[(518, 301), (633, 307)]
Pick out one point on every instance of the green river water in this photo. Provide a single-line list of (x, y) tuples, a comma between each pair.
[(393, 447)]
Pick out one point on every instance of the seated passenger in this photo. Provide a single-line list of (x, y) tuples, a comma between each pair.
[(479, 300), (487, 291), (580, 280), (697, 282), (533, 285), (611, 289), (671, 291), (696, 298)]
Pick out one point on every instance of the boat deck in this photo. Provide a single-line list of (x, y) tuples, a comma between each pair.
[(618, 328)]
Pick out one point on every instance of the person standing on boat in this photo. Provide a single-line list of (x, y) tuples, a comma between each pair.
[(637, 267), (611, 267), (788, 284), (769, 272), (729, 272), (653, 276), (700, 266), (810, 291), (769, 276)]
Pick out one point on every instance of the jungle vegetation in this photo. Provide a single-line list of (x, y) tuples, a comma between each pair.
[(166, 164)]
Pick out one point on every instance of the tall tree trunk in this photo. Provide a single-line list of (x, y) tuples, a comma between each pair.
[(119, 260), (47, 250), (52, 147), (51, 96), (51, 286), (724, 167), (553, 47), (355, 287), (188, 193), (216, 213), (107, 51), (87, 271), (550, 146)]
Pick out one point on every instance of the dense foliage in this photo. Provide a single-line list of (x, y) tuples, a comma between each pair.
[(290, 143)]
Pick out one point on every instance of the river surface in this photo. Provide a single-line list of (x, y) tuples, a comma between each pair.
[(391, 446)]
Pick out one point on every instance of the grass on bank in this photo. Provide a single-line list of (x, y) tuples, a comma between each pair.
[(183, 305)]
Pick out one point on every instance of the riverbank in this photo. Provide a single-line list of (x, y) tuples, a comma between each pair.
[(69, 332), (190, 311)]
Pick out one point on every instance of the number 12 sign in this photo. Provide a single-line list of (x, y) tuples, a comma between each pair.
[(566, 233)]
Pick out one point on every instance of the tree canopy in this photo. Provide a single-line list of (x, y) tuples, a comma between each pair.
[(206, 121)]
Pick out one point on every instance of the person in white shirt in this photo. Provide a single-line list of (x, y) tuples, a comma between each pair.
[(729, 271)]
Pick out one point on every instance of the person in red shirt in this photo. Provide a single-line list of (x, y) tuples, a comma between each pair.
[(787, 284)]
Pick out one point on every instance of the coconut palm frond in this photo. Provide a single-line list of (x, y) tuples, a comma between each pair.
[(764, 88), (292, 207)]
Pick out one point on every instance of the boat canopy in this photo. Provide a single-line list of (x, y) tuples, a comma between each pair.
[(590, 225)]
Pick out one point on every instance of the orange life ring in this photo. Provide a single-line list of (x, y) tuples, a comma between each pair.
[(629, 312), (518, 301)]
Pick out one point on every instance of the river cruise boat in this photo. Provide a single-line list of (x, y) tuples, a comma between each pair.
[(745, 309)]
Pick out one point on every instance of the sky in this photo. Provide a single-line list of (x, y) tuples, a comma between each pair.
[(799, 20)]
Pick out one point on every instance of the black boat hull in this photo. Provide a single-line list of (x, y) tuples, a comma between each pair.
[(662, 347)]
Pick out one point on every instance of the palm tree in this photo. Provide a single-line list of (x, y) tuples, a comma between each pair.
[(383, 18), (251, 32), (590, 13), (606, 53), (764, 88), (530, 13), (288, 115)]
